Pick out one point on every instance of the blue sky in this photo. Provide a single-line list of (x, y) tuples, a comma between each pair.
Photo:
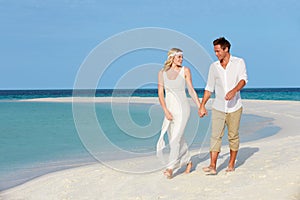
[(43, 43)]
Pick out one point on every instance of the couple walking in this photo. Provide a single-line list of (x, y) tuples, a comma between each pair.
[(226, 78)]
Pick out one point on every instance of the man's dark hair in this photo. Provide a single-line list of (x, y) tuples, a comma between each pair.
[(223, 43)]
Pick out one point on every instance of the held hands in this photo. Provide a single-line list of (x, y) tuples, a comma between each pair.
[(202, 111)]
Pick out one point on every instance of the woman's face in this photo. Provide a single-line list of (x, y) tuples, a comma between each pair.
[(177, 60)]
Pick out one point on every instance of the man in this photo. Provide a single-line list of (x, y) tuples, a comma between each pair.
[(226, 78)]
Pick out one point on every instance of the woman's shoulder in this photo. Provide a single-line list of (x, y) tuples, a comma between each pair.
[(161, 70), (186, 69)]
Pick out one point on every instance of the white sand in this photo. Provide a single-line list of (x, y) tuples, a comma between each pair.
[(266, 169), (95, 100)]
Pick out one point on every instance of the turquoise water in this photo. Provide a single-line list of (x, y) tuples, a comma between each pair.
[(34, 136), (37, 137), (292, 94)]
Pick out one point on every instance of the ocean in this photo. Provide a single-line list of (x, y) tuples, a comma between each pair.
[(291, 94), (37, 138)]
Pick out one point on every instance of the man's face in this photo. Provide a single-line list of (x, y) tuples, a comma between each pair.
[(220, 53)]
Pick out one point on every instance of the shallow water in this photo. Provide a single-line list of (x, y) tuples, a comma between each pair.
[(38, 137)]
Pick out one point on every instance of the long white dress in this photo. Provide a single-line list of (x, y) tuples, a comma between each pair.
[(177, 103)]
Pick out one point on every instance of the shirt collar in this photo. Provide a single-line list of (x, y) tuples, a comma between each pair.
[(230, 60)]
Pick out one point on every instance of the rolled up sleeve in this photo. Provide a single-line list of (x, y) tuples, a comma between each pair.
[(243, 72), (210, 84)]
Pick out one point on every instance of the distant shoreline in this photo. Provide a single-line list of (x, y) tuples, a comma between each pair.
[(291, 93), (53, 89), (146, 100)]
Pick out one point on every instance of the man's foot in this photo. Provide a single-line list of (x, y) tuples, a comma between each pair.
[(230, 169), (209, 170), (188, 167), (168, 173)]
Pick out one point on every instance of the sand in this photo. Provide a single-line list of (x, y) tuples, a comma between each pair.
[(265, 169)]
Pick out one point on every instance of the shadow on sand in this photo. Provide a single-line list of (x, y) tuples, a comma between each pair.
[(253, 127), (243, 155)]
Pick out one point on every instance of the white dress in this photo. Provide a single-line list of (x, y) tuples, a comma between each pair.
[(177, 103)]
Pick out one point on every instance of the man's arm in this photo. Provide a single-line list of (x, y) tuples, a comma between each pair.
[(237, 88), (242, 76), (202, 110)]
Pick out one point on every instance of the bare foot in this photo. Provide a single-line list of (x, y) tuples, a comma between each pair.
[(168, 173), (210, 170), (207, 169), (188, 168), (230, 169)]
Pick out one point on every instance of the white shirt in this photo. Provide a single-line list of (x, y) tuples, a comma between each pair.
[(223, 80)]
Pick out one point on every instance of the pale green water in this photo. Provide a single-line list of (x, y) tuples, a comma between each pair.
[(38, 138)]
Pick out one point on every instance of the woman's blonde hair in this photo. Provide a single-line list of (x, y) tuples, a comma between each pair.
[(172, 52)]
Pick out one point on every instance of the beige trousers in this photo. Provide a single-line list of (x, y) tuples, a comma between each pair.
[(219, 121)]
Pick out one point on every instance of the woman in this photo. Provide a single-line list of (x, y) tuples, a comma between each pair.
[(173, 100)]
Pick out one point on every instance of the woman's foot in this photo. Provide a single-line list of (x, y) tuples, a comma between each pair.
[(168, 173), (188, 167)]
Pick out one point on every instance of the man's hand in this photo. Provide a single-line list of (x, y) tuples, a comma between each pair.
[(202, 111), (230, 95)]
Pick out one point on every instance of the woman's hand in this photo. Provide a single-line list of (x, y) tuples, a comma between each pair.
[(202, 111), (168, 115)]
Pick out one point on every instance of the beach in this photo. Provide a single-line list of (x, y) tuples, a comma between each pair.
[(265, 169)]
